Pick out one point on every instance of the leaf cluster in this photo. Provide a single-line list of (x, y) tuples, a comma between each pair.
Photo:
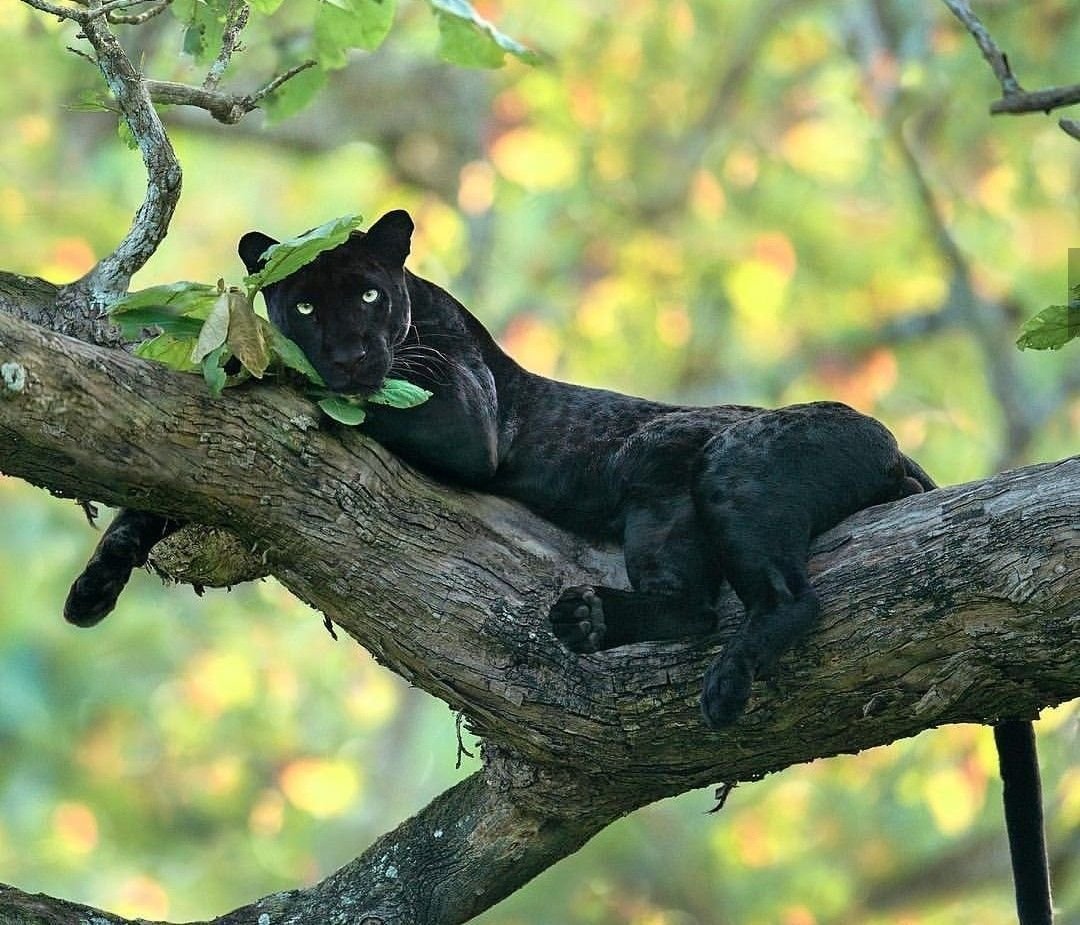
[(216, 330)]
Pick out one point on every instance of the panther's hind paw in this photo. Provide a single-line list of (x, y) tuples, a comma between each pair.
[(577, 619), (726, 691)]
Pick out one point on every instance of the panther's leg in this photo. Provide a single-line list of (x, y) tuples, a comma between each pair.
[(674, 584), (781, 608), (124, 546)]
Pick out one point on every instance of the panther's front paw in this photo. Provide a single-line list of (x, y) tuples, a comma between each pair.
[(727, 689), (577, 618), (94, 594)]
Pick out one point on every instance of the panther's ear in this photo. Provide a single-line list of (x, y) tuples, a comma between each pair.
[(388, 239), (251, 248)]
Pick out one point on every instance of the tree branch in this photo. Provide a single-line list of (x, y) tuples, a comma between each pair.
[(956, 606), (227, 108)]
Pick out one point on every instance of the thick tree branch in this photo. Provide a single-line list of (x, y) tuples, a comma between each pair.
[(957, 606)]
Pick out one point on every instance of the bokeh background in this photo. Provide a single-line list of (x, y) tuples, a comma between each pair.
[(760, 202)]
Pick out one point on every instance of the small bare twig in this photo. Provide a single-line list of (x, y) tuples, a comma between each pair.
[(137, 19), (1014, 98), (1037, 100), (63, 12), (264, 91), (235, 20), (1070, 127), (994, 56), (105, 9)]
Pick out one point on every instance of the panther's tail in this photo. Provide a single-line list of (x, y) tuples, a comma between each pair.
[(1019, 766)]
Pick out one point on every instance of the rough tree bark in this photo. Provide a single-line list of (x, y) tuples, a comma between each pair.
[(962, 605)]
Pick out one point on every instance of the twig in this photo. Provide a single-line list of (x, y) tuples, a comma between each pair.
[(994, 56), (105, 9), (228, 108), (1014, 98), (137, 19), (1037, 100), (63, 12), (1070, 127), (269, 88), (235, 20)]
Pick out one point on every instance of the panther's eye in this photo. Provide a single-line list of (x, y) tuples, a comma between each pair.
[(370, 295), (305, 308)]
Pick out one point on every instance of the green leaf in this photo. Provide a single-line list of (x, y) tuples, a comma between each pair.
[(125, 133), (1052, 328), (246, 339), (343, 409), (214, 330), (203, 21), (213, 368), (134, 322), (344, 24), (265, 7), (397, 393), (293, 95), (183, 298), (168, 349), (93, 100), (469, 40), (289, 353), (288, 256)]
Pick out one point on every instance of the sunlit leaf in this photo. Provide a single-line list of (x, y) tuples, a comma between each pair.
[(191, 300), (169, 349), (134, 322), (469, 40), (397, 393), (1051, 329), (288, 256), (344, 24), (342, 409)]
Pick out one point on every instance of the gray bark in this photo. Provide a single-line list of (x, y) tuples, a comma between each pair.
[(961, 605)]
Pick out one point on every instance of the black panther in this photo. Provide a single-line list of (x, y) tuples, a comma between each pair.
[(696, 496)]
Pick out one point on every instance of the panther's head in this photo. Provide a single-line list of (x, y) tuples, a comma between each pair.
[(349, 307)]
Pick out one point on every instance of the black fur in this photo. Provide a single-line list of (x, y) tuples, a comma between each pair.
[(696, 496)]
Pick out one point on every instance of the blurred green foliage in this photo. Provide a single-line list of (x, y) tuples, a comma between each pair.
[(693, 200)]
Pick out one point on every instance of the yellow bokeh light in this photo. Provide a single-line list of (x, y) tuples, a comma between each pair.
[(533, 343), (141, 897), (322, 787), (535, 159), (758, 291), (75, 827), (216, 681), (826, 150), (267, 816), (476, 187), (953, 800)]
